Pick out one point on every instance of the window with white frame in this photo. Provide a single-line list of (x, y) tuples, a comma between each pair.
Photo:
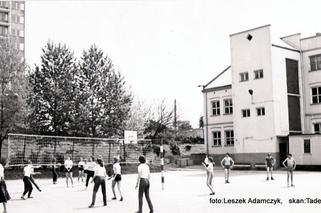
[(229, 137), (228, 106), (317, 128), (21, 20), (316, 95), (258, 74), (217, 139), (216, 108), (315, 62), (244, 76), (246, 113), (260, 111)]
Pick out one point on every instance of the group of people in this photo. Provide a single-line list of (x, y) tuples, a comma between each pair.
[(96, 170), (227, 164)]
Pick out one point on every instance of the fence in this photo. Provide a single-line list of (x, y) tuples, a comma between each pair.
[(40, 149)]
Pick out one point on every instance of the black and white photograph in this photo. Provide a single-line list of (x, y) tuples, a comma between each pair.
[(160, 106)]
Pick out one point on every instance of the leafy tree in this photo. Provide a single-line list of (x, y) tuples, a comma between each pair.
[(12, 88), (104, 102), (53, 90)]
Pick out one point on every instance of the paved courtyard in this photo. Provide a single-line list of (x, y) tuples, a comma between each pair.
[(185, 192)]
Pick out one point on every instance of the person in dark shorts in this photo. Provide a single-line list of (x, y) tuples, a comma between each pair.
[(4, 195), (116, 178), (227, 163), (81, 168), (99, 180), (269, 163), (143, 184), (290, 165)]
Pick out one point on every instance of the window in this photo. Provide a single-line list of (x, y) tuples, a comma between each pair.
[(21, 20), (22, 6), (3, 31), (3, 17), (246, 113), (244, 76), (216, 108), (316, 95), (315, 62), (21, 33), (307, 146), (317, 127), (229, 137), (260, 111), (217, 140), (258, 74), (228, 106), (21, 47), (4, 4)]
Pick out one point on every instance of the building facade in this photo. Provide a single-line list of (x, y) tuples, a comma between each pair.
[(12, 23), (272, 104)]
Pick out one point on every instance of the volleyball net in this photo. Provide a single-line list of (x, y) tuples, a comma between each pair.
[(41, 149)]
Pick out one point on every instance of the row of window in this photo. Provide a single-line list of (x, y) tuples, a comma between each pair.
[(229, 138), (228, 107), (244, 76), (16, 32), (17, 19), (260, 111), (14, 5)]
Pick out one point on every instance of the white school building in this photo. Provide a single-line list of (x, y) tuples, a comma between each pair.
[(271, 102)]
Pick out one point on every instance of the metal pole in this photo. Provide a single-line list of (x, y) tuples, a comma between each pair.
[(206, 122), (162, 164)]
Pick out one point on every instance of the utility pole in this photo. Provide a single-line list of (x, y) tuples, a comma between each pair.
[(175, 118)]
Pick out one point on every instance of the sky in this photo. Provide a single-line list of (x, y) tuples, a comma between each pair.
[(163, 48)]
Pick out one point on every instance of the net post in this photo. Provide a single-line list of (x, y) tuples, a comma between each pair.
[(162, 163)]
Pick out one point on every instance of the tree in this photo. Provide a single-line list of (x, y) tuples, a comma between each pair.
[(161, 121), (53, 88), (104, 102), (12, 83), (138, 116)]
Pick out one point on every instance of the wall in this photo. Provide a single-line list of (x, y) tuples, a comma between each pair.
[(296, 148), (253, 134), (220, 122)]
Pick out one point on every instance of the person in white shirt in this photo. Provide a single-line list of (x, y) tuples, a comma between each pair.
[(4, 195), (227, 163), (209, 173), (116, 178), (143, 184), (68, 171), (27, 171), (99, 180), (81, 167), (90, 169)]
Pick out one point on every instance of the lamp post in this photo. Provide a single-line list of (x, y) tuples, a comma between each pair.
[(205, 124)]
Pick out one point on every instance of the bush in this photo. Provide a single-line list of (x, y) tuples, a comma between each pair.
[(175, 149)]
